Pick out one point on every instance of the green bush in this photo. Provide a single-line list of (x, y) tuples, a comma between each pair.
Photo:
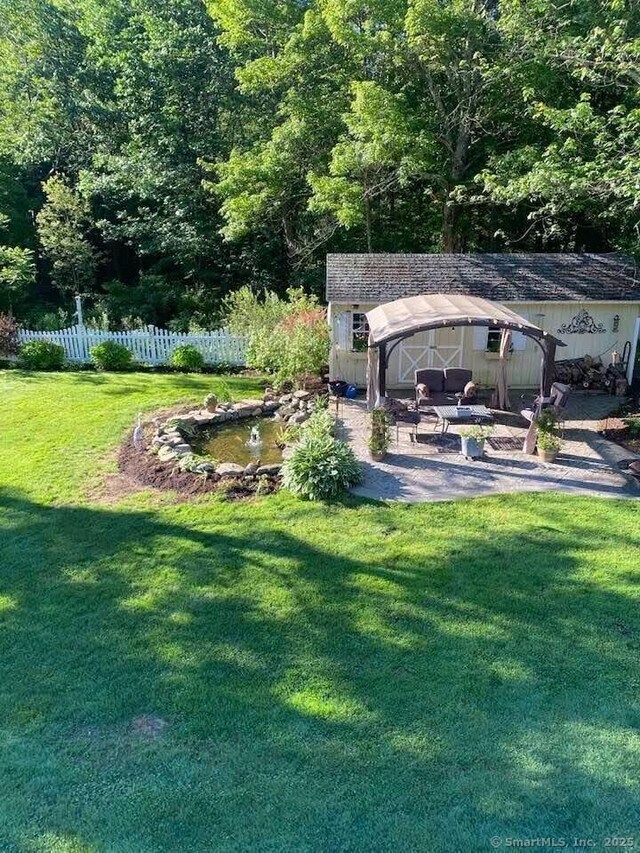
[(110, 355), (41, 355), (287, 338), (187, 357), (320, 467)]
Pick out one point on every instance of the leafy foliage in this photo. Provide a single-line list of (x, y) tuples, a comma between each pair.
[(287, 338), (320, 467), (380, 435), (17, 271), (110, 355), (190, 147), (187, 358), (8, 335), (41, 355), (63, 225)]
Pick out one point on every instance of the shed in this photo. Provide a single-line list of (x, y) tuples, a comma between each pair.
[(589, 302)]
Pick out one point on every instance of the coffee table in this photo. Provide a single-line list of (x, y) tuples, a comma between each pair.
[(447, 415)]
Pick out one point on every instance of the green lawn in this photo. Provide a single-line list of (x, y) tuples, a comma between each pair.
[(359, 677)]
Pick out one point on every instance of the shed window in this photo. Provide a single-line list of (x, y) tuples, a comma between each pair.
[(493, 340), (359, 332)]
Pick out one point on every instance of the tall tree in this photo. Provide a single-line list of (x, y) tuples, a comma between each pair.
[(63, 228)]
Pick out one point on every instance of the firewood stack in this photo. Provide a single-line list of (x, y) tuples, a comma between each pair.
[(590, 374)]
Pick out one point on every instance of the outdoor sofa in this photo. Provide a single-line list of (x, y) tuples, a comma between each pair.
[(435, 387)]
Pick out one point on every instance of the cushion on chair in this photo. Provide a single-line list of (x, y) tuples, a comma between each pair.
[(470, 391), (433, 379), (455, 378), (528, 414)]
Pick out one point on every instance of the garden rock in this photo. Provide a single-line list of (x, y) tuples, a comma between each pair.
[(205, 468), (182, 449), (298, 418), (302, 394), (229, 469), (286, 398), (269, 470), (251, 468), (270, 405), (244, 411), (167, 454)]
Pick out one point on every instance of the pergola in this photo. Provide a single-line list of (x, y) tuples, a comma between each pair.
[(393, 322)]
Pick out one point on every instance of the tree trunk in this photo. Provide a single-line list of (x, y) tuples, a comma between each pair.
[(451, 241), (367, 215)]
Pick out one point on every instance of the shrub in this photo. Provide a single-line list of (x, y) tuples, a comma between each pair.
[(547, 421), (287, 338), (9, 344), (320, 423), (187, 358), (380, 436), (320, 467), (549, 441), (41, 355), (633, 425), (110, 355)]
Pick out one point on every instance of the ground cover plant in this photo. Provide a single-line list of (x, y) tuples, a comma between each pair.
[(283, 675)]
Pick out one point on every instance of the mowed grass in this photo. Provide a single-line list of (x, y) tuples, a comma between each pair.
[(276, 675)]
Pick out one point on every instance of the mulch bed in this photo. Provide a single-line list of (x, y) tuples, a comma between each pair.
[(615, 429)]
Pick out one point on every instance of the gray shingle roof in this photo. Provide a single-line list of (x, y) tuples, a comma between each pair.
[(503, 278)]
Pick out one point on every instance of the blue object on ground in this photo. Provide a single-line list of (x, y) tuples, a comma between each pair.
[(352, 392)]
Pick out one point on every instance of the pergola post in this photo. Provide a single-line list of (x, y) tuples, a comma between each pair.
[(382, 370), (548, 365)]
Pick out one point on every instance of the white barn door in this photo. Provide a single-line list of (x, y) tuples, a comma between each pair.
[(443, 348)]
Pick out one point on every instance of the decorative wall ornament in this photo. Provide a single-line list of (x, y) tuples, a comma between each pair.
[(582, 324)]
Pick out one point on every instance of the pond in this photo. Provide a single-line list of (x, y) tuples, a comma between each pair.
[(231, 441)]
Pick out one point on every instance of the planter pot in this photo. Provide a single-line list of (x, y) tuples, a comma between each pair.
[(547, 455), (377, 455), (472, 448)]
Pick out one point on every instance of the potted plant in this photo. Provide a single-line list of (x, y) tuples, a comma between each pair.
[(549, 445), (548, 441), (380, 437), (472, 439)]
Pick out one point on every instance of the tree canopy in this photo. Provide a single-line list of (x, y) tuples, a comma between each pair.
[(159, 156)]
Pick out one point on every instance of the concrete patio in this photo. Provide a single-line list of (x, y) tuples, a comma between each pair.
[(432, 468)]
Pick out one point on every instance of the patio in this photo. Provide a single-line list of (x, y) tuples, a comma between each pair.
[(433, 469)]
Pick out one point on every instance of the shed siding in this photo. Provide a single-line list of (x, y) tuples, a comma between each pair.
[(524, 364)]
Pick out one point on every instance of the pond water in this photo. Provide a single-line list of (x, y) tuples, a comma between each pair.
[(230, 441)]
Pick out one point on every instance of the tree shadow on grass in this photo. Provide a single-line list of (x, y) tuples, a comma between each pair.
[(414, 691)]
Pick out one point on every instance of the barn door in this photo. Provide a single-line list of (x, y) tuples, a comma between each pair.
[(437, 348), (446, 347)]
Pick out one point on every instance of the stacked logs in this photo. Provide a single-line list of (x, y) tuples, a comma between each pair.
[(591, 374)]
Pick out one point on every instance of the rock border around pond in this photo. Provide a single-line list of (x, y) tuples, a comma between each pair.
[(172, 439)]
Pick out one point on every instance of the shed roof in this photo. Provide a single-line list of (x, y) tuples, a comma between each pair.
[(416, 313), (508, 278)]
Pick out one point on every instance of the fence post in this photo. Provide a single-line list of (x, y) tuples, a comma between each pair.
[(153, 350)]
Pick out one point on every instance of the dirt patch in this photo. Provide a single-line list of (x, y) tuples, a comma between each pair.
[(148, 726)]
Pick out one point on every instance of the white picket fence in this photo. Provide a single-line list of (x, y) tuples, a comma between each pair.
[(149, 346)]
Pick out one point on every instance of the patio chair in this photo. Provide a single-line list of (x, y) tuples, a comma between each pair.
[(436, 387), (557, 400)]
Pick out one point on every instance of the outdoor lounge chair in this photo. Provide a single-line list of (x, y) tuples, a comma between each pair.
[(444, 387), (557, 400)]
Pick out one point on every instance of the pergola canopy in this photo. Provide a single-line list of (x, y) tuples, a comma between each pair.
[(394, 321), (404, 317)]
